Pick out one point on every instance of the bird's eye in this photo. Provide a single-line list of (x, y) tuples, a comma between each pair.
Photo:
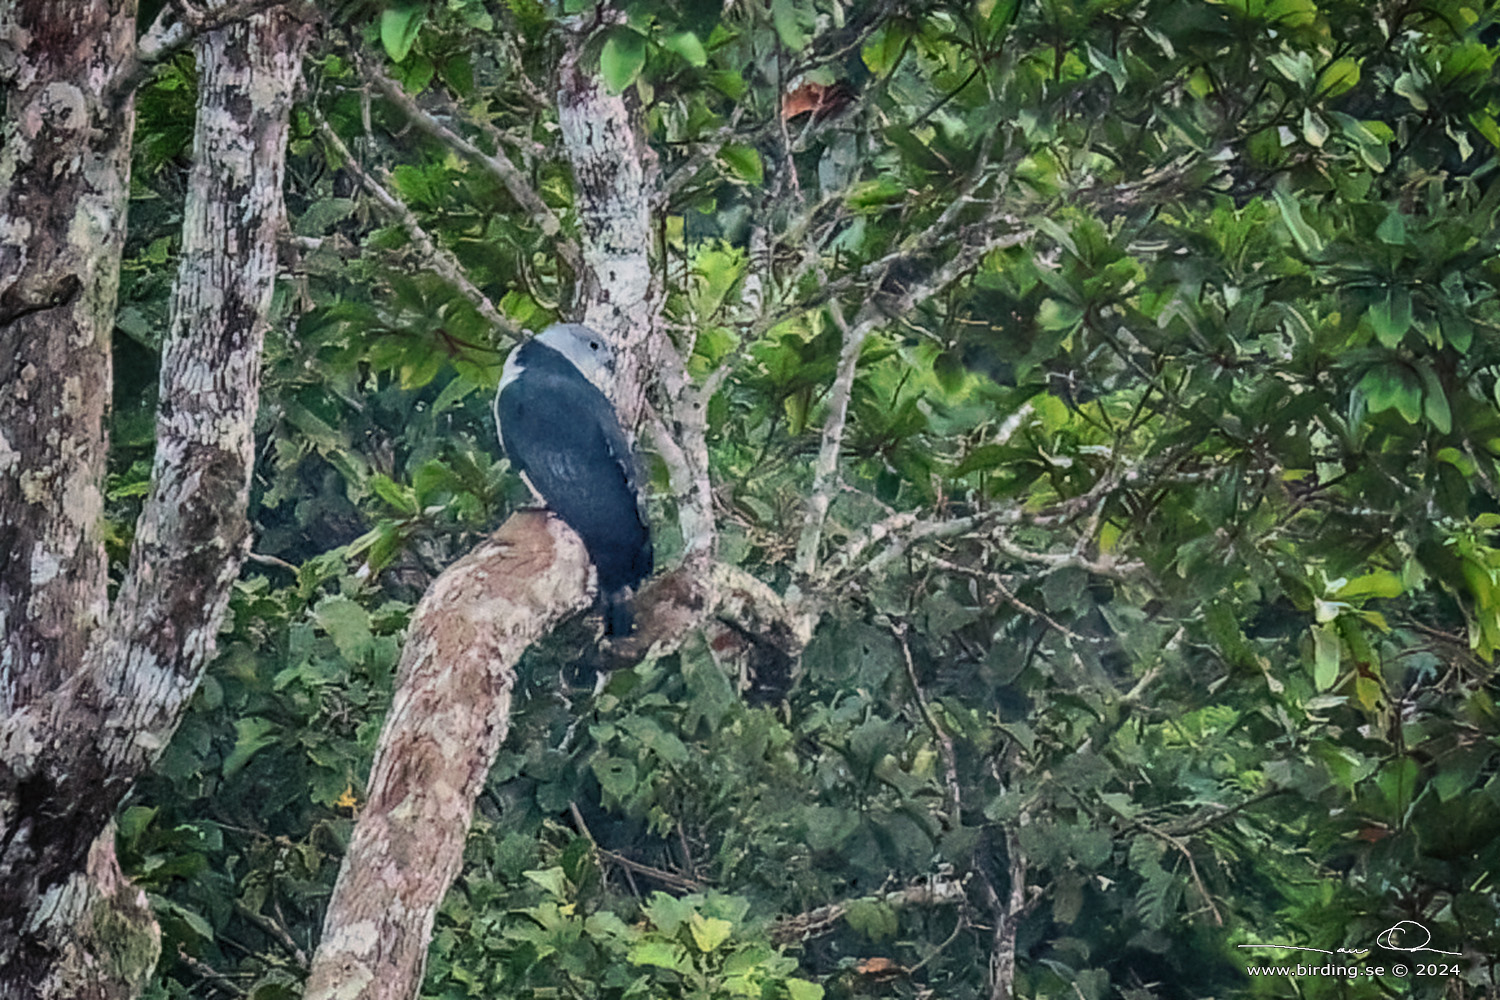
[(593, 345)]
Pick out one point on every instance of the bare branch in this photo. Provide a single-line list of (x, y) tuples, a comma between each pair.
[(497, 166), (953, 791), (439, 258), (450, 714), (939, 889), (1215, 815), (178, 23), (826, 468)]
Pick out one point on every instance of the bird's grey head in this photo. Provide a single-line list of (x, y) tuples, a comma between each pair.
[(582, 345), (589, 352)]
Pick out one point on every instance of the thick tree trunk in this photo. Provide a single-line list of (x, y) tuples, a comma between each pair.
[(450, 714), (617, 182), (64, 183), (88, 705)]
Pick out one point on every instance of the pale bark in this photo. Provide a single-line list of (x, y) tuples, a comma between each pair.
[(450, 714), (89, 703), (616, 179), (613, 176), (64, 182)]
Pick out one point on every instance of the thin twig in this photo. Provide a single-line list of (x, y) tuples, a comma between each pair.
[(440, 258), (1221, 813), (265, 560), (276, 930), (498, 166), (944, 740)]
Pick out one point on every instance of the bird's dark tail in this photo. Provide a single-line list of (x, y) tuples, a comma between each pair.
[(619, 620)]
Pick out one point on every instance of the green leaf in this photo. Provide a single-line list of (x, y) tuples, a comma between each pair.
[(1457, 330), (708, 932), (1326, 650), (616, 776), (872, 918), (1392, 387), (1295, 66), (622, 58), (1056, 315), (1435, 400), (950, 372), (1381, 583), (401, 498), (744, 163), (663, 954), (1391, 318), (667, 913), (250, 735), (801, 989), (788, 20), (1397, 781), (881, 52), (1393, 229), (1306, 237), (687, 45), (1314, 128), (347, 624), (1409, 86), (551, 879), (398, 29), (1341, 75)]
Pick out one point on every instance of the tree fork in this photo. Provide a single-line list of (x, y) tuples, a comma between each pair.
[(89, 694)]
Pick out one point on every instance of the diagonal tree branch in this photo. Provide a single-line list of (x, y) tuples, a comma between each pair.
[(440, 258), (498, 166), (450, 714)]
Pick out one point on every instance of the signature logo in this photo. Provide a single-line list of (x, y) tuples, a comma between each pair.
[(1403, 935)]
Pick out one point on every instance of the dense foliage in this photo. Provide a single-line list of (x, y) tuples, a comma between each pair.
[(1185, 642)]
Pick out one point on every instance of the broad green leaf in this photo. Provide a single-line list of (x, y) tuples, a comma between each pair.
[(801, 989), (1325, 656), (1057, 315), (1341, 75), (1409, 86), (1397, 781), (1393, 387), (1314, 128), (1392, 317), (744, 163), (1485, 124), (1295, 66), (1307, 239), (251, 734), (687, 45), (787, 16), (398, 29), (663, 954), (668, 913), (872, 918), (621, 59), (616, 775), (1393, 229), (1435, 399), (347, 624), (1381, 583), (709, 932), (551, 879)]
